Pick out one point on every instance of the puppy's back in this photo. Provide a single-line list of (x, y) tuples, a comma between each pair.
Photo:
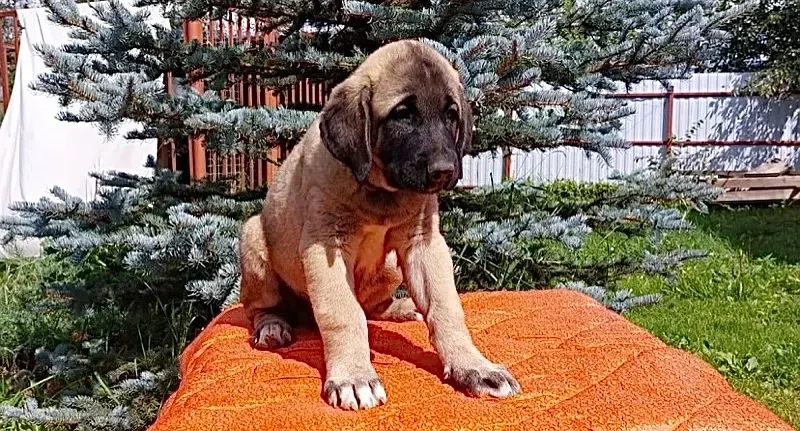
[(285, 207)]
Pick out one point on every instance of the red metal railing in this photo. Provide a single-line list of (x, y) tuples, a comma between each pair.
[(9, 50), (668, 141)]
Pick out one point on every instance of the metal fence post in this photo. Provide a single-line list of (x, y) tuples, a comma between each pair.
[(668, 127), (506, 174), (165, 153), (4, 64), (193, 30)]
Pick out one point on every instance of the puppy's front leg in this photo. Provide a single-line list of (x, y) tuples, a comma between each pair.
[(428, 270), (350, 382)]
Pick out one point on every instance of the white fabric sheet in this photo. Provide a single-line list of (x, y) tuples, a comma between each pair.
[(37, 151)]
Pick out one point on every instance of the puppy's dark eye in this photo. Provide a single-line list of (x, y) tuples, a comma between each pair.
[(401, 112), (452, 114)]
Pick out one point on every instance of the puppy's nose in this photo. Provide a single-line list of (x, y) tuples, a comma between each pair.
[(441, 173)]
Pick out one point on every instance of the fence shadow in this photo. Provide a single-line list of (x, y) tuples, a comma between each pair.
[(760, 231), (748, 118)]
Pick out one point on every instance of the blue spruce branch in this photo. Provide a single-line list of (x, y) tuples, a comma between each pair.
[(619, 301)]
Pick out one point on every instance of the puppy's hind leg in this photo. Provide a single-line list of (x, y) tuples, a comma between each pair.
[(380, 302), (395, 309), (260, 289)]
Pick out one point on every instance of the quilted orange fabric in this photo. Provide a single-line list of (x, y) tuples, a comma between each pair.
[(581, 367)]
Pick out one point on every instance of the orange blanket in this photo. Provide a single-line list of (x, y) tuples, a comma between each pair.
[(581, 367)]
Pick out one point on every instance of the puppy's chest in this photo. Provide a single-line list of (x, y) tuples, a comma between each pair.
[(371, 250)]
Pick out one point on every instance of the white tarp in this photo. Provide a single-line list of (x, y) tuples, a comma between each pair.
[(37, 151)]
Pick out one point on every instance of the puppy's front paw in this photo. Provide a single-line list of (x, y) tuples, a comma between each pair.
[(361, 391), (271, 331), (488, 379)]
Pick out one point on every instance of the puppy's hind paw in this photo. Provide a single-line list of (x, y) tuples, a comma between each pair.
[(400, 310), (271, 332)]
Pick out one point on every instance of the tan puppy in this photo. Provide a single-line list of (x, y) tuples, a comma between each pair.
[(353, 212)]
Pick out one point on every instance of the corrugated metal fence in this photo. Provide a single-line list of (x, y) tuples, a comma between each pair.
[(701, 120)]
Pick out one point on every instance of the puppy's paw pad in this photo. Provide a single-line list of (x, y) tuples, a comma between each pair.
[(354, 394), (271, 333), (493, 380)]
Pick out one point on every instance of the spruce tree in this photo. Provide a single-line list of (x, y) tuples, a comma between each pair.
[(535, 73)]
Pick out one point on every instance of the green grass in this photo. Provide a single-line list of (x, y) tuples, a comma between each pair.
[(143, 335), (19, 331), (739, 309), (20, 281)]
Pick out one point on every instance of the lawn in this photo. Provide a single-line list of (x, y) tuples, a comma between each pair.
[(739, 308)]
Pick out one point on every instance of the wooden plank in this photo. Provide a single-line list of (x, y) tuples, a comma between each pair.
[(720, 174), (770, 168), (759, 182), (760, 195), (734, 174)]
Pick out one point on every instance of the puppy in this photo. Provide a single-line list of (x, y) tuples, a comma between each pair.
[(353, 212)]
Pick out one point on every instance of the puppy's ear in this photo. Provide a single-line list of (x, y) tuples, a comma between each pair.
[(345, 127)]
